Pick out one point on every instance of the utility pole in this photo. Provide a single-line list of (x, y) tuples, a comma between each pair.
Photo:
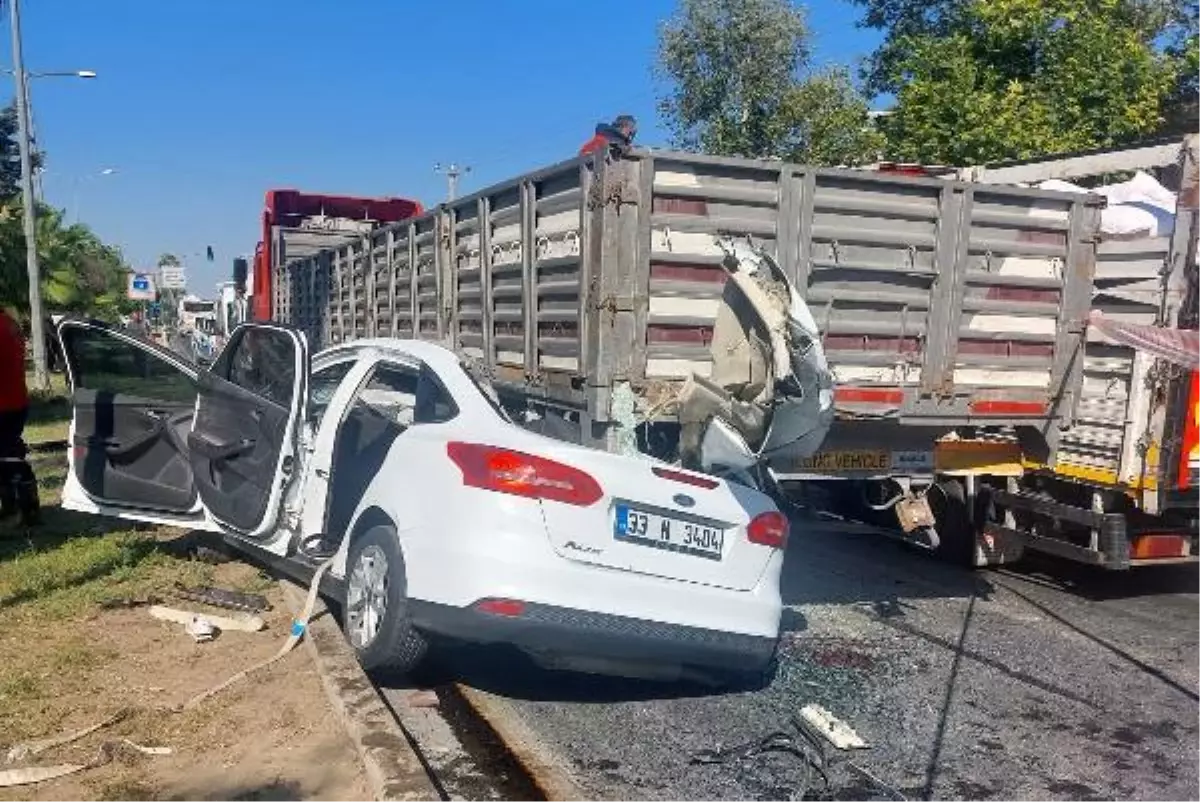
[(37, 333), (452, 172)]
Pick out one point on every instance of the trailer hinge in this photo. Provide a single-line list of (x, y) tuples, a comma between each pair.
[(614, 304), (615, 193)]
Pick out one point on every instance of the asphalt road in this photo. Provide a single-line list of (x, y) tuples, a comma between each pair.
[(1052, 682)]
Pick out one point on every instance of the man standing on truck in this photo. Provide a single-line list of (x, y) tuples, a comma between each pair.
[(18, 487), (617, 135)]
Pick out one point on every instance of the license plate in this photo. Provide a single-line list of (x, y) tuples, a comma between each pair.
[(646, 528)]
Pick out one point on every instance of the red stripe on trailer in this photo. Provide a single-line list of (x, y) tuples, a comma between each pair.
[(994, 407), (706, 274), (1023, 295), (1005, 348), (692, 206), (868, 342), (868, 395), (700, 335)]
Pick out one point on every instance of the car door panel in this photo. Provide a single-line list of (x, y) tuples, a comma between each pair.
[(235, 450), (130, 401), (126, 453), (242, 446)]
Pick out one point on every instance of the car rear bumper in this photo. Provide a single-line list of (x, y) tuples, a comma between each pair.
[(581, 633)]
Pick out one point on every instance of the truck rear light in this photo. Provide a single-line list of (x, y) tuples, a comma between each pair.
[(1159, 546), (509, 608), (1018, 408), (769, 529), (686, 478), (519, 474), (1189, 454)]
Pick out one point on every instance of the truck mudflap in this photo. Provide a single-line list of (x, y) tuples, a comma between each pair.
[(770, 393)]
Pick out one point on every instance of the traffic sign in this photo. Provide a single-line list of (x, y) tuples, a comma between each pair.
[(141, 287), (172, 278)]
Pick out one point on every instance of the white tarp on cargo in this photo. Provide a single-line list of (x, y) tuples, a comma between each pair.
[(1139, 207)]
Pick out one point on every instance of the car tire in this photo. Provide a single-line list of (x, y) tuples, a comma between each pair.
[(386, 641)]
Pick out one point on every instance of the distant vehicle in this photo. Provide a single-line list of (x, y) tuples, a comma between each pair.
[(441, 516), (192, 308)]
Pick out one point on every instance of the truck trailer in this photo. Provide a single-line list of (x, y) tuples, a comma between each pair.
[(1123, 487), (601, 297)]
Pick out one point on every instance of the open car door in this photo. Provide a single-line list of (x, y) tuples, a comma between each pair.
[(242, 444), (132, 404), (154, 438)]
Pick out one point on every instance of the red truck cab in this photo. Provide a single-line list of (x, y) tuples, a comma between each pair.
[(294, 223)]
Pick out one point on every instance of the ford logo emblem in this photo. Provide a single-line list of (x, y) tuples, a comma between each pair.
[(683, 500)]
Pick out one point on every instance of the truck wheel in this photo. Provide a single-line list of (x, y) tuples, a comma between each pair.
[(956, 534), (375, 618)]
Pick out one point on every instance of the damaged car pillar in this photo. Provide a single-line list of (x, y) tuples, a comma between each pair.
[(770, 393)]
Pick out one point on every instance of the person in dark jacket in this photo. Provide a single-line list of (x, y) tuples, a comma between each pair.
[(18, 486), (617, 135)]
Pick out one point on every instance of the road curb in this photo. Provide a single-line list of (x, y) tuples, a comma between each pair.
[(546, 773), (393, 769)]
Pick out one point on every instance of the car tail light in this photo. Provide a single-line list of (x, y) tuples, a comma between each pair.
[(769, 529), (686, 478), (517, 473)]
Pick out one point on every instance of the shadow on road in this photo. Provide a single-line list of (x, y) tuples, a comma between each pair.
[(831, 562), (506, 671), (1096, 584)]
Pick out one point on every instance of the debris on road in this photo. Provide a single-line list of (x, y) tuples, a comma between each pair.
[(240, 624), (422, 699), (201, 629), (28, 749), (223, 597), (805, 748), (831, 728), (29, 775)]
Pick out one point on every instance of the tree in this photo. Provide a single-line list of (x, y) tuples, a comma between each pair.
[(988, 80), (10, 154), (80, 274), (739, 83)]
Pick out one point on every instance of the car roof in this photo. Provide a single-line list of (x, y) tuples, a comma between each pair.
[(436, 356)]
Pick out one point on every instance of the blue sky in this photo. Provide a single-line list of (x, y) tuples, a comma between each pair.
[(199, 108)]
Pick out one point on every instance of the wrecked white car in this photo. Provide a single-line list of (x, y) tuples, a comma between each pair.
[(437, 516)]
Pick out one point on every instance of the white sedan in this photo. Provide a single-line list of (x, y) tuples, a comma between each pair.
[(440, 516)]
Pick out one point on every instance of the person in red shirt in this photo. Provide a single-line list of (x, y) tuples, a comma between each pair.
[(18, 486), (617, 135)]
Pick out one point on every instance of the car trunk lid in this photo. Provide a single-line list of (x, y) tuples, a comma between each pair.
[(657, 519)]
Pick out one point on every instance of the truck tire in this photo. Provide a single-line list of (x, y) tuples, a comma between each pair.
[(375, 617), (956, 533)]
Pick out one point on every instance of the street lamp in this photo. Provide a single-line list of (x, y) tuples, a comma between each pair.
[(54, 73), (37, 332)]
